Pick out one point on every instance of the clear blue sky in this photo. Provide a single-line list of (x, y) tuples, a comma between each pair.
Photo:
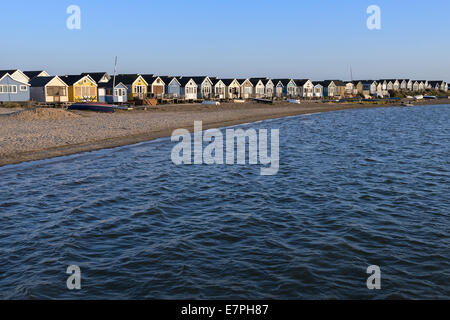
[(232, 38)]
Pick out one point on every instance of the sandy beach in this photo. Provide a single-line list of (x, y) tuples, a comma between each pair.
[(35, 134)]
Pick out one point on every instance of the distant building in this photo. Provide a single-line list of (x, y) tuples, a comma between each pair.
[(304, 87), (81, 88), (99, 77), (318, 89), (33, 74), (118, 94), (233, 88), (12, 89), (189, 88), (173, 87), (49, 89), (246, 88)]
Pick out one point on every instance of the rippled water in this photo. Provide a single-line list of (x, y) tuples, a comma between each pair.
[(355, 188)]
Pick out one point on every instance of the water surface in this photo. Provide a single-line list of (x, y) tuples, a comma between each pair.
[(355, 188)]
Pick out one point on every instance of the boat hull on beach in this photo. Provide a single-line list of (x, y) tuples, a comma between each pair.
[(97, 107)]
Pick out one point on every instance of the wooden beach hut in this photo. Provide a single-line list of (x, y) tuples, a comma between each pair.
[(259, 88), (189, 88), (108, 94), (137, 87), (99, 77), (13, 90), (318, 89), (172, 87), (81, 88), (156, 86), (233, 88), (219, 88), (246, 88), (205, 87), (49, 89), (305, 88)]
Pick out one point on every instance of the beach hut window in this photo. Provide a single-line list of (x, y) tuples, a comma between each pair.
[(13, 89), (23, 88)]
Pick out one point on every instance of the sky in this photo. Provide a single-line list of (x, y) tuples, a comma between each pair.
[(231, 38)]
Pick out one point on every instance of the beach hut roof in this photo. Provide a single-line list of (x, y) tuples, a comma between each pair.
[(228, 81), (184, 81), (32, 74), (255, 81), (168, 79), (97, 76), (284, 82), (42, 81), (10, 72), (127, 79), (109, 84), (150, 78), (301, 82), (73, 78)]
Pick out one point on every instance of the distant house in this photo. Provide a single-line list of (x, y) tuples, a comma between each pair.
[(81, 88), (205, 87), (329, 88), (233, 88), (13, 90), (219, 88), (318, 89), (118, 94), (269, 88), (285, 87), (48, 89), (446, 87), (409, 85), (395, 85), (340, 87), (137, 86), (246, 88), (369, 87), (304, 88), (278, 87), (189, 88), (156, 86), (357, 87), (16, 74), (389, 85), (380, 92), (34, 74), (403, 84), (350, 88), (99, 77), (259, 88), (437, 85), (423, 84), (173, 86)]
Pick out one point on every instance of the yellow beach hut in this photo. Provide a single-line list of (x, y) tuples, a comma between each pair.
[(81, 88), (136, 84)]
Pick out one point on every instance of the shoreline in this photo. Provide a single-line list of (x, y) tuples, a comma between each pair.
[(48, 141)]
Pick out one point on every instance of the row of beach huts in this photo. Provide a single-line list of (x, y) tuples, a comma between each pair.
[(39, 86)]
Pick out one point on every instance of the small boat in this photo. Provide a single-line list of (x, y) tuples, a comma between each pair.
[(265, 101), (294, 101), (215, 103), (407, 104), (430, 97), (98, 107)]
